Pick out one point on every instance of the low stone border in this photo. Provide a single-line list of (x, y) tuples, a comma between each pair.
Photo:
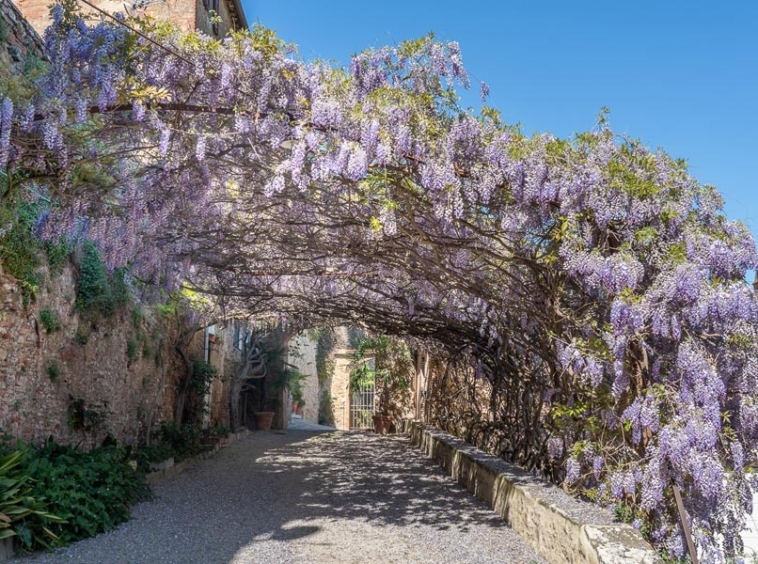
[(6, 549), (561, 529), (179, 467)]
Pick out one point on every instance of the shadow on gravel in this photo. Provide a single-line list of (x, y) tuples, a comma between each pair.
[(384, 479), (343, 477), (266, 495)]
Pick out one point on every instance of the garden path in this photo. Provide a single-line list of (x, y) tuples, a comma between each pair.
[(304, 497)]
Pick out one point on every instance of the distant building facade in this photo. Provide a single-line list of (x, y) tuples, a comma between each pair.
[(213, 17)]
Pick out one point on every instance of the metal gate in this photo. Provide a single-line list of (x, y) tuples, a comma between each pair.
[(362, 408)]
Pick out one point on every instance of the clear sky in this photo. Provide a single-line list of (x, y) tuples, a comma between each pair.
[(680, 75)]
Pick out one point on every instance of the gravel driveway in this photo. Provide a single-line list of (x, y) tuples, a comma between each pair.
[(304, 497)]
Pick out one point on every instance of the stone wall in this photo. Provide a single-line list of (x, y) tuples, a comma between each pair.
[(18, 39), (340, 387), (42, 374), (301, 353), (124, 368), (562, 529)]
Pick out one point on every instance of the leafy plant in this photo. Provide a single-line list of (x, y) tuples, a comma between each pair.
[(84, 417), (295, 380), (157, 452), (326, 409), (324, 348), (220, 430), (183, 441), (92, 491), (53, 370), (137, 317), (96, 290), (50, 320), (131, 349), (81, 337), (203, 374), (23, 515), (19, 247), (385, 362), (57, 254)]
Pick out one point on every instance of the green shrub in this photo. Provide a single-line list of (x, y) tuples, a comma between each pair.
[(131, 349), (81, 337), (3, 30), (203, 374), (24, 514), (152, 453), (92, 491), (57, 254), (92, 285), (219, 430), (19, 247), (119, 288), (183, 441), (53, 370), (84, 417), (137, 317), (96, 290), (50, 320)]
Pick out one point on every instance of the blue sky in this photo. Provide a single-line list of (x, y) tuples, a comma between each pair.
[(678, 75)]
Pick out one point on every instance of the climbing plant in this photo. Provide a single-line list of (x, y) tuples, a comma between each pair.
[(589, 289)]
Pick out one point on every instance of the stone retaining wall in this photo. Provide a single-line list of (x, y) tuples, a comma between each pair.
[(560, 528)]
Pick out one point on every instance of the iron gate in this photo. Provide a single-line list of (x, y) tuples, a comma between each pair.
[(362, 408)]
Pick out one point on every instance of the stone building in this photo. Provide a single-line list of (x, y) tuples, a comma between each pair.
[(213, 17)]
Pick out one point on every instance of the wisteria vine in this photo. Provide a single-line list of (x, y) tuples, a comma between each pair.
[(597, 289)]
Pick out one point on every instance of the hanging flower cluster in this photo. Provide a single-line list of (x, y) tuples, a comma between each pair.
[(596, 271)]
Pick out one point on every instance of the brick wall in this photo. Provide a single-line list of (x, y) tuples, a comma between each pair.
[(186, 14)]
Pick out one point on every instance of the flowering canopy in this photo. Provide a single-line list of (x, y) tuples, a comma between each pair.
[(591, 278)]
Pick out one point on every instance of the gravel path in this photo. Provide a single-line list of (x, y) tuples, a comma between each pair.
[(304, 497)]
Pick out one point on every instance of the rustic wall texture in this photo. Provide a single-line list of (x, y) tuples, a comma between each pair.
[(123, 368), (186, 14), (19, 40), (301, 353)]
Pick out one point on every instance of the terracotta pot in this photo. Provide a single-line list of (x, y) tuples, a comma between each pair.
[(382, 424), (263, 420)]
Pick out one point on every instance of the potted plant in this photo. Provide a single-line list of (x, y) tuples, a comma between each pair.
[(295, 384), (263, 420)]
